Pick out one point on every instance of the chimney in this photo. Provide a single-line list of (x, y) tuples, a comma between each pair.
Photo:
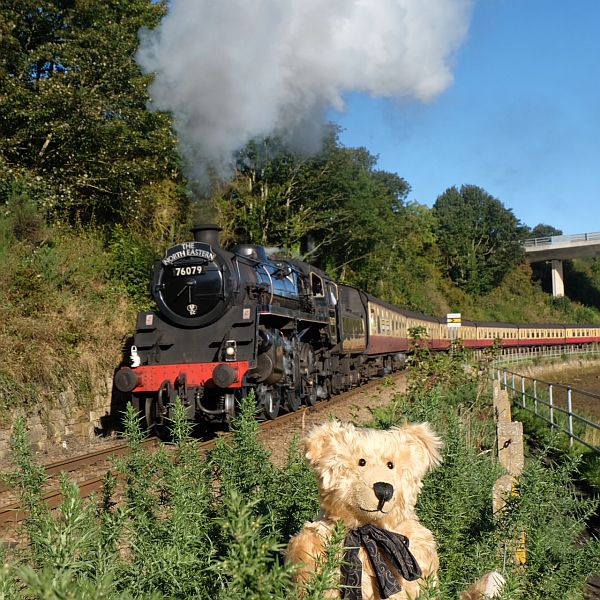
[(207, 233)]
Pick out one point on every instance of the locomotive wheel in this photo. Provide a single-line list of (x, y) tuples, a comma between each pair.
[(268, 402), (326, 385), (293, 401), (307, 375), (310, 397), (154, 424)]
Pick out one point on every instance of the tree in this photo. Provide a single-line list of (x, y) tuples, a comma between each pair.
[(337, 211), (335, 208), (74, 129), (542, 230), (480, 240), (267, 201)]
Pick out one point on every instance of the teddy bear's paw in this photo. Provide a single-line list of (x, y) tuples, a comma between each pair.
[(488, 586)]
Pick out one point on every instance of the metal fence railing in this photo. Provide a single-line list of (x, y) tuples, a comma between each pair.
[(556, 404), (507, 356), (562, 239)]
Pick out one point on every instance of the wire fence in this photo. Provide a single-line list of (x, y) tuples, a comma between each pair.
[(556, 404)]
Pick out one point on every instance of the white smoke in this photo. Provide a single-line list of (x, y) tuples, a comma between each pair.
[(235, 70)]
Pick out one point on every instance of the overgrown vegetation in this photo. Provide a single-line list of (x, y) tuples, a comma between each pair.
[(188, 526), (456, 499), (215, 527)]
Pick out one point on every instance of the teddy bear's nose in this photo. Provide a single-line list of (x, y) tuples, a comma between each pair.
[(384, 492)]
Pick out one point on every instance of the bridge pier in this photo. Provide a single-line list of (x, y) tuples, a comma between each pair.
[(558, 284)]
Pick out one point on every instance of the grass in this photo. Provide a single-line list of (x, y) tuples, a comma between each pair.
[(59, 305)]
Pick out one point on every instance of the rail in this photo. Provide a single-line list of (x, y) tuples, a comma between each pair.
[(562, 239), (553, 403)]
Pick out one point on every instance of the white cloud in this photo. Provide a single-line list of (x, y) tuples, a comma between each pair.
[(234, 70)]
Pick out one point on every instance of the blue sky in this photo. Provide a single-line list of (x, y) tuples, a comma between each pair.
[(521, 119)]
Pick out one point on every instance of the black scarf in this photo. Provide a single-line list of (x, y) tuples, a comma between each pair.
[(379, 544)]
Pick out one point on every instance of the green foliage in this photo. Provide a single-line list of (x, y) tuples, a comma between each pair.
[(325, 577), (546, 506), (28, 479), (75, 132), (541, 230), (248, 570), (179, 532), (478, 237), (132, 258), (456, 499), (267, 202), (188, 528), (242, 466), (70, 554)]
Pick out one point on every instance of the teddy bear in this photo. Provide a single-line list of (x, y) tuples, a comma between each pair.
[(370, 480)]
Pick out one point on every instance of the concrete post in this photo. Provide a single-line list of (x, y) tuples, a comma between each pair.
[(558, 285), (512, 458)]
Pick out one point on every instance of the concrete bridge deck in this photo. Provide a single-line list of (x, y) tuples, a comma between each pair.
[(562, 247)]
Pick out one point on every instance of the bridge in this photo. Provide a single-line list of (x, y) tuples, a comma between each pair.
[(557, 248)]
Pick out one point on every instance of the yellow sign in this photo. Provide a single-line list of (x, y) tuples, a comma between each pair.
[(453, 319)]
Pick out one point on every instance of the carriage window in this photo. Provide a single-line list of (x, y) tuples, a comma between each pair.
[(317, 285)]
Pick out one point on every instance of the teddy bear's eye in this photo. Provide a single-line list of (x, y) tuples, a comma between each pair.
[(362, 462), (390, 465)]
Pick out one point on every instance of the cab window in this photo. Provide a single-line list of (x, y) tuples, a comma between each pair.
[(316, 284)]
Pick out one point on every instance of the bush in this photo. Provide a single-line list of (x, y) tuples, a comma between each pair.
[(132, 258), (215, 527), (187, 526), (456, 502)]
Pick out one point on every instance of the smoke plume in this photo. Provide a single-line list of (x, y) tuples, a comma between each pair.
[(234, 70)]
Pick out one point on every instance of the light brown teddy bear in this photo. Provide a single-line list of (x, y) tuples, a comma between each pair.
[(370, 479)]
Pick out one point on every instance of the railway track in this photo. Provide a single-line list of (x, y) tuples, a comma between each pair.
[(280, 431), (13, 513)]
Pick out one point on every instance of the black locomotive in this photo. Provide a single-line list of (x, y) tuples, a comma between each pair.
[(231, 321)]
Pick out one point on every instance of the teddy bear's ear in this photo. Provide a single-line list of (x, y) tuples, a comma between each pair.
[(422, 436), (326, 440)]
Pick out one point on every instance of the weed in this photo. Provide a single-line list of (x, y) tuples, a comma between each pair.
[(215, 528), (456, 499)]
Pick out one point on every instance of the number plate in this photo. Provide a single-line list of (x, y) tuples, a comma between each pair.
[(187, 271)]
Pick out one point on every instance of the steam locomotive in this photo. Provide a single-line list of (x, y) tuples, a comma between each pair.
[(228, 322)]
